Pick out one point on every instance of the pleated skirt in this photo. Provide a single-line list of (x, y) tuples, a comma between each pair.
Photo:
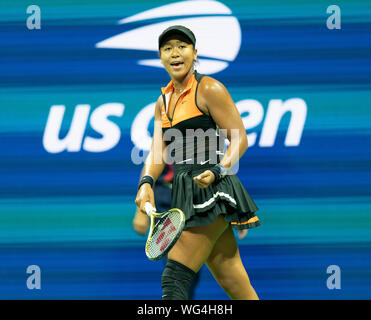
[(228, 197)]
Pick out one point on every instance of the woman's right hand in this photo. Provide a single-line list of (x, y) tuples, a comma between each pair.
[(140, 222), (145, 194)]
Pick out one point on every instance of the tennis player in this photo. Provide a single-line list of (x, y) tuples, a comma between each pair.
[(204, 188)]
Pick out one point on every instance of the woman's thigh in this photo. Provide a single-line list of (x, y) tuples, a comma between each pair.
[(196, 243)]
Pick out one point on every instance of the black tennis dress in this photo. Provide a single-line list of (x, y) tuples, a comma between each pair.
[(195, 143)]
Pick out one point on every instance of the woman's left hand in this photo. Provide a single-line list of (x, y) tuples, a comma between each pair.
[(204, 179)]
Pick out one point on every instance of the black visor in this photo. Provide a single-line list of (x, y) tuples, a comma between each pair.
[(176, 30)]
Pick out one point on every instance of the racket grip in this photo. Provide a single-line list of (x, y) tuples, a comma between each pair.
[(149, 208)]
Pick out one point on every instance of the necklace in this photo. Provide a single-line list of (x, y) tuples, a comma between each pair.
[(178, 91)]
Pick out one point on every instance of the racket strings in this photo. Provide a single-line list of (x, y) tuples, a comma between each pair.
[(166, 231)]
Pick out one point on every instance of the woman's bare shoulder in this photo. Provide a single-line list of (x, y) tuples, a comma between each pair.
[(209, 85)]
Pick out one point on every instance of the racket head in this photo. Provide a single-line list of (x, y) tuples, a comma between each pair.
[(166, 228)]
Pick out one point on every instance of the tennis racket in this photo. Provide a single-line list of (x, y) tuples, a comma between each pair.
[(165, 229)]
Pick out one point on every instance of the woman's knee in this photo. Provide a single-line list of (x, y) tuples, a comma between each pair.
[(176, 281)]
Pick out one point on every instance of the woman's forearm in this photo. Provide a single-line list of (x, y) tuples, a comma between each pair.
[(152, 168), (237, 147), (155, 163)]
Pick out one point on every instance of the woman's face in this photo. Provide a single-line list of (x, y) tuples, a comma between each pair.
[(177, 56)]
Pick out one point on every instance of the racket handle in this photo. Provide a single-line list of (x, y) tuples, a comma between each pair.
[(149, 208)]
